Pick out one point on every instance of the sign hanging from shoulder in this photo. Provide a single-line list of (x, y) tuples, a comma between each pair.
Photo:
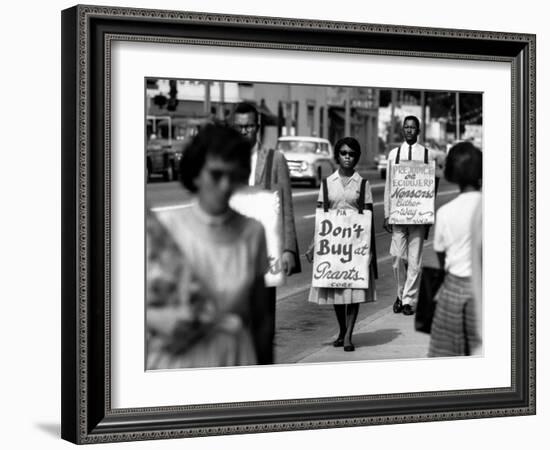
[(412, 193), (265, 207), (342, 249)]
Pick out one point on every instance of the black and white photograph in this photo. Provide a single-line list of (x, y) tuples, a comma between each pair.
[(278, 224), (161, 292), (298, 224)]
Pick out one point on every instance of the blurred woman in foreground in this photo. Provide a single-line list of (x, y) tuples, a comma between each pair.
[(206, 264)]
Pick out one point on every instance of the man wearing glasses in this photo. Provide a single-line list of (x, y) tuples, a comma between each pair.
[(269, 170)]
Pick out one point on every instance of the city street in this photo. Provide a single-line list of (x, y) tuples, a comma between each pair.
[(304, 330)]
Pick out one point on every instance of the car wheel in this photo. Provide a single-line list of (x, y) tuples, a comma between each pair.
[(169, 173), (383, 174)]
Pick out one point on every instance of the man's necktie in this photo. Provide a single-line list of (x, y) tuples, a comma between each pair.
[(410, 152)]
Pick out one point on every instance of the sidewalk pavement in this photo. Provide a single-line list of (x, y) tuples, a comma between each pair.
[(384, 335)]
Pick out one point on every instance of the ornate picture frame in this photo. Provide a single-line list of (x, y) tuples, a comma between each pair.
[(88, 33)]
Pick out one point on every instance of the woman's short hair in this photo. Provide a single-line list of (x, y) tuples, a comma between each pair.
[(351, 143), (218, 141), (463, 165)]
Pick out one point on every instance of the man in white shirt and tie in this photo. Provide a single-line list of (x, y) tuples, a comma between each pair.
[(407, 240)]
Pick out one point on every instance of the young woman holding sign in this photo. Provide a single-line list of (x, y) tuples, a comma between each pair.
[(343, 190)]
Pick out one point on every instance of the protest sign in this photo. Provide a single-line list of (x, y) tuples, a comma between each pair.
[(265, 207), (412, 193), (342, 249)]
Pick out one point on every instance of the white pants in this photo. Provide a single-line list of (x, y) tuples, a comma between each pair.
[(406, 247)]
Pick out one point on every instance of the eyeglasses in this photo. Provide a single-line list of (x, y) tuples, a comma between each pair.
[(347, 153), (246, 127)]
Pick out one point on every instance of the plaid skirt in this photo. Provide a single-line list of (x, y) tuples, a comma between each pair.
[(454, 331)]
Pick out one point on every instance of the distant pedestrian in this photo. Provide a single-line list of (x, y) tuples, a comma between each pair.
[(269, 170), (343, 189), (455, 325), (407, 243)]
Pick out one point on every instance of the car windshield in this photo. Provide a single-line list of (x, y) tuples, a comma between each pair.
[(298, 146)]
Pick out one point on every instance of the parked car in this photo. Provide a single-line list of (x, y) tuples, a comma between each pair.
[(309, 158), (163, 157)]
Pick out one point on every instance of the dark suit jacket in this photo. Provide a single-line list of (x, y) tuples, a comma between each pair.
[(280, 181)]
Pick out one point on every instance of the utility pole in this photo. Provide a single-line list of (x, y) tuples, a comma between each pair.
[(347, 118), (288, 111), (457, 109), (207, 107), (221, 107), (391, 137), (325, 117), (423, 112)]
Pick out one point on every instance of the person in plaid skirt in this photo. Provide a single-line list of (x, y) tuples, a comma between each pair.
[(455, 330)]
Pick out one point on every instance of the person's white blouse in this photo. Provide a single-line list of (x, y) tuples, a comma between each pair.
[(453, 233)]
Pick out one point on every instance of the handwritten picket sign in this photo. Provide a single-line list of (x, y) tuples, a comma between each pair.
[(412, 193), (265, 207), (342, 249)]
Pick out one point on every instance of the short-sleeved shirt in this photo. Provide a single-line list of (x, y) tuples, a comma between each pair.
[(453, 233), (344, 194)]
